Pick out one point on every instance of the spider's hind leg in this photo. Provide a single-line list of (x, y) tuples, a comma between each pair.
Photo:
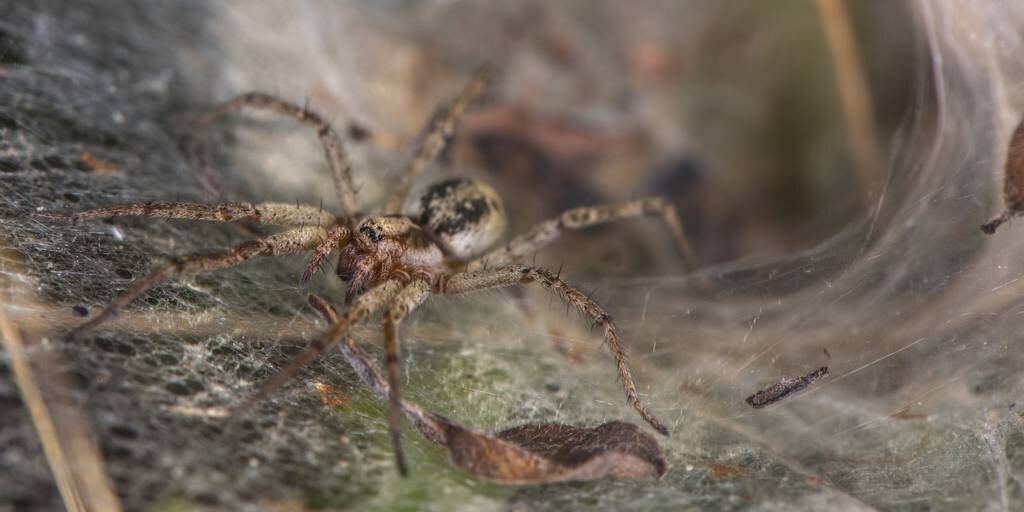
[(364, 305), (520, 274), (548, 231), (334, 149), (436, 137), (425, 421)]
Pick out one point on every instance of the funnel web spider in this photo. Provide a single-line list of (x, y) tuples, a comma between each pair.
[(395, 260)]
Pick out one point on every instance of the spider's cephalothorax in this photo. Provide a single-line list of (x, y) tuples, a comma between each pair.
[(452, 221), (388, 247), (395, 261)]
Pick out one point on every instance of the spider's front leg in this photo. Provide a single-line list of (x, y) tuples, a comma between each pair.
[(279, 214), (335, 238), (517, 274), (373, 300), (399, 301), (291, 241), (548, 231), (426, 421), (401, 305)]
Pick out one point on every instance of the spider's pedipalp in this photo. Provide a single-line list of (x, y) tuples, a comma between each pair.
[(521, 274), (336, 236), (334, 149), (291, 241)]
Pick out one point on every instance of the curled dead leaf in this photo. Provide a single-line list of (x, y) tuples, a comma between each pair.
[(552, 452)]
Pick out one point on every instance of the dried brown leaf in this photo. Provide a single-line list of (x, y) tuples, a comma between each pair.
[(1013, 181), (552, 452)]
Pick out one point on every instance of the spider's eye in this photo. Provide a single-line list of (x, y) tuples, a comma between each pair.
[(371, 233)]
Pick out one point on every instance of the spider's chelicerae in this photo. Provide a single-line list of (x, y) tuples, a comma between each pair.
[(437, 243)]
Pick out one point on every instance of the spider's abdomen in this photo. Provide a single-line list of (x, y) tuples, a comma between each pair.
[(464, 215)]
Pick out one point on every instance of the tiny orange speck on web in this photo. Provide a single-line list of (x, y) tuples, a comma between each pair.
[(98, 164), (332, 397), (727, 471)]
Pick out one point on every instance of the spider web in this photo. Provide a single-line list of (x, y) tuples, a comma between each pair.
[(913, 310)]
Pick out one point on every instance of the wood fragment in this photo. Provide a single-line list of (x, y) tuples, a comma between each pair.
[(785, 388), (727, 471)]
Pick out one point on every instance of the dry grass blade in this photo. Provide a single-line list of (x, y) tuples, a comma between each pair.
[(854, 94), (70, 451)]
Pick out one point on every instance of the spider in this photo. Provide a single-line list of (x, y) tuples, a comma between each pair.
[(438, 243)]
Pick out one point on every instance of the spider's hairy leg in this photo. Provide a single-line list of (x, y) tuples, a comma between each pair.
[(516, 274), (281, 214), (334, 239), (360, 363), (440, 131), (408, 299), (367, 303), (334, 149), (291, 241), (548, 231)]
